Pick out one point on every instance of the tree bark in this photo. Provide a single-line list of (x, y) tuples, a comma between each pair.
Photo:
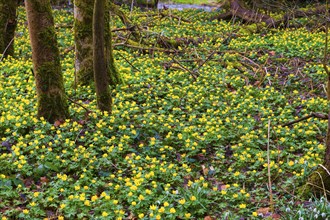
[(83, 34), (113, 74), (8, 25), (103, 94), (52, 103), (83, 13)]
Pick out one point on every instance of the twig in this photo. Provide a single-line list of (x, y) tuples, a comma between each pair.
[(269, 176), (73, 101), (4, 52), (174, 16), (326, 170), (311, 115), (145, 48), (206, 60), (188, 70), (323, 187), (129, 63)]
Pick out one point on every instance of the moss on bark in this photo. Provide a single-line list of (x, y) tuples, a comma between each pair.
[(84, 43), (113, 74), (52, 103), (83, 34)]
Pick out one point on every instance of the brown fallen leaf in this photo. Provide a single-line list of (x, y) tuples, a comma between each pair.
[(276, 216), (263, 211), (208, 218), (205, 170), (44, 179), (58, 122)]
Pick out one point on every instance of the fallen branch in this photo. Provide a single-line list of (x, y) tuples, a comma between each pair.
[(192, 73), (145, 48), (311, 115), (129, 63), (237, 10)]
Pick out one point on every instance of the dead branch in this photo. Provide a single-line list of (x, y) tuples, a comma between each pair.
[(311, 115), (247, 15), (192, 73)]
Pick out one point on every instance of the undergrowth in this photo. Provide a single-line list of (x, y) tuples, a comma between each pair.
[(173, 147)]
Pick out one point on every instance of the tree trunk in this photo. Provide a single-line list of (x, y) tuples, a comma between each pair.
[(52, 103), (113, 75), (7, 26), (83, 13), (83, 34), (103, 94)]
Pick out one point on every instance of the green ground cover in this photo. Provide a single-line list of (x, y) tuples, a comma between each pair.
[(173, 147)]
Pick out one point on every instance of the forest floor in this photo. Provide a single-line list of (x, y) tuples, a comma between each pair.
[(188, 135)]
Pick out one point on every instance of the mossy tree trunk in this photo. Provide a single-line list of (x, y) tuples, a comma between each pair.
[(7, 26), (83, 34), (83, 13), (101, 78), (52, 103), (113, 74)]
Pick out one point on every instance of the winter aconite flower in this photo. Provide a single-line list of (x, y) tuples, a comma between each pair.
[(242, 206)]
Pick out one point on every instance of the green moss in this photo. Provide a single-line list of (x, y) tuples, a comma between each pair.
[(52, 103), (84, 39), (316, 184), (47, 37), (104, 101)]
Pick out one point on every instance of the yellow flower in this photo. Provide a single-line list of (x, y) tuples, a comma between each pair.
[(36, 194), (115, 202), (153, 207), (158, 217), (25, 211), (291, 163), (141, 197), (182, 201), (141, 215), (255, 214), (242, 206), (193, 198), (187, 215), (60, 217), (62, 206), (104, 214), (162, 209), (94, 198), (172, 210), (87, 203), (166, 204)]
